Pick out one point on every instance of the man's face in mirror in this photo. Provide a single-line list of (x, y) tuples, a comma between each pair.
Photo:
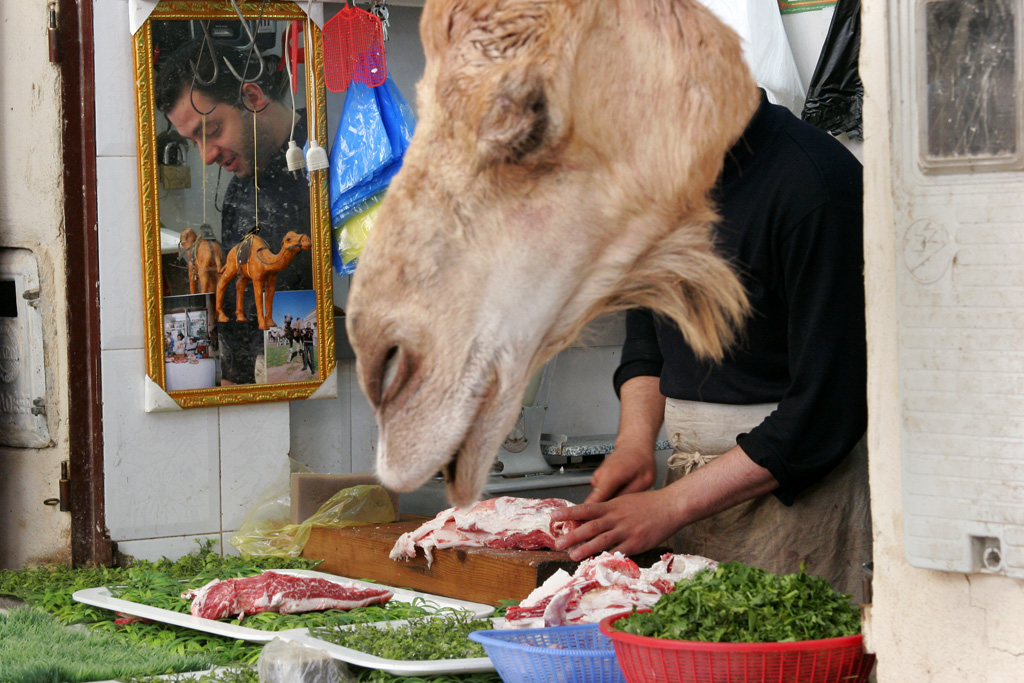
[(228, 137)]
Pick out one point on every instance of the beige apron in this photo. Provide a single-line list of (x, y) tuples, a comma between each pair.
[(828, 528)]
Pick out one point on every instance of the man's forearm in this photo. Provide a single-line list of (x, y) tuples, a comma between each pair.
[(728, 480), (641, 413)]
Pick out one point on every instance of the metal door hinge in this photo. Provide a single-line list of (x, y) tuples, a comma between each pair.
[(64, 490), (52, 32)]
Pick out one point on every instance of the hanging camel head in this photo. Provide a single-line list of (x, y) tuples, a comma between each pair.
[(560, 170)]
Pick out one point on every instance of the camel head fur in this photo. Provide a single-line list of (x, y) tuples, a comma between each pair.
[(560, 170)]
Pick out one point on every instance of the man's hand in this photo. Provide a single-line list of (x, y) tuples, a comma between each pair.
[(629, 524), (628, 469), (635, 522), (631, 468)]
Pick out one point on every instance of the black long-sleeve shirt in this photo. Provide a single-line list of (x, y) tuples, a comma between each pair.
[(790, 201)]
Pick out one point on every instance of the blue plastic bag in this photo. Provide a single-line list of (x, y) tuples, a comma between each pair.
[(374, 132)]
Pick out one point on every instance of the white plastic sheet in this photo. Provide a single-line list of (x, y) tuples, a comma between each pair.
[(765, 48)]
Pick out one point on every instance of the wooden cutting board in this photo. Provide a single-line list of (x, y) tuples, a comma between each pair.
[(486, 575)]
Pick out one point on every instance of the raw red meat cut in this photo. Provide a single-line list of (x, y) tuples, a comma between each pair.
[(601, 586), (504, 522), (275, 592)]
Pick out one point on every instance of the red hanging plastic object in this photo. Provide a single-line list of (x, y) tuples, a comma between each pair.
[(353, 50)]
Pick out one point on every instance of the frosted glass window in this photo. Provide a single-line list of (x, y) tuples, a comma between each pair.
[(971, 98)]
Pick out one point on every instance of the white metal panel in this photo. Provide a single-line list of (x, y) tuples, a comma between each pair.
[(960, 281)]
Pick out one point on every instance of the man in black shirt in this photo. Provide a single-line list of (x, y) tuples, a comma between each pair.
[(785, 412), (246, 128)]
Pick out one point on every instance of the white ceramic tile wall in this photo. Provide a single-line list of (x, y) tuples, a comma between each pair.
[(161, 470), (153, 549), (121, 300), (321, 434), (115, 96), (253, 453), (338, 435)]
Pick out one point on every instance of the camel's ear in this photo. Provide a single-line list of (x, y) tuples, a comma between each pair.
[(517, 122)]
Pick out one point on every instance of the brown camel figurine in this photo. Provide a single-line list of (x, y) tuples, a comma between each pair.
[(204, 257), (257, 263)]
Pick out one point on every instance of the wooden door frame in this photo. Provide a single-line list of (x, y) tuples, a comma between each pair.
[(90, 541)]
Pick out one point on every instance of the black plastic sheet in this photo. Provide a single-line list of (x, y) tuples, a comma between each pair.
[(836, 94)]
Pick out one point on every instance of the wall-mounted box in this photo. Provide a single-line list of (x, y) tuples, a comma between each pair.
[(22, 369)]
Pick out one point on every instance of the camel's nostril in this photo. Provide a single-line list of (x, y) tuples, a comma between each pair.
[(391, 372)]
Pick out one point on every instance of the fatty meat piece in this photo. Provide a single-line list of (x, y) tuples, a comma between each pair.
[(504, 522), (275, 592), (601, 586)]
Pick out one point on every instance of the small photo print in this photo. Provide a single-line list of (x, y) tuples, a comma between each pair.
[(189, 344), (291, 347)]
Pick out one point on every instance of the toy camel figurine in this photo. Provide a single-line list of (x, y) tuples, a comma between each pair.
[(204, 257), (251, 259)]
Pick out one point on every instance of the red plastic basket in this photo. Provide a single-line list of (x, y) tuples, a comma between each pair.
[(658, 660)]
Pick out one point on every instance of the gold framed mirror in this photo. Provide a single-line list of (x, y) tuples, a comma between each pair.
[(235, 241)]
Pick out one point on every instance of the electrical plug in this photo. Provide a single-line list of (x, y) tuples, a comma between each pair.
[(296, 162), (316, 157)]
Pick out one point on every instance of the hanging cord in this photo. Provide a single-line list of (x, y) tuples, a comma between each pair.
[(216, 192), (204, 170), (294, 159), (291, 84), (252, 46), (316, 156), (255, 177)]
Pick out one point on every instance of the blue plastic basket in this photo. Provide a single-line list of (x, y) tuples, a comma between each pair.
[(566, 654)]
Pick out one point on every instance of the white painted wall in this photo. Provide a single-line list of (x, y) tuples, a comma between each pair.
[(31, 217), (924, 625)]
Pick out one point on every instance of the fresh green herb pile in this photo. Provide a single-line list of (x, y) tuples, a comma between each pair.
[(34, 647), (737, 603), (417, 640)]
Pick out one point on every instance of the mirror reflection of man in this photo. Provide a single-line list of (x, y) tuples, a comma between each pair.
[(247, 129)]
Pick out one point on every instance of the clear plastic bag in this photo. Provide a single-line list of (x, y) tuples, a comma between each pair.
[(282, 661), (267, 531)]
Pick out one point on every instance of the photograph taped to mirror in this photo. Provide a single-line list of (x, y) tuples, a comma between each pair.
[(237, 209)]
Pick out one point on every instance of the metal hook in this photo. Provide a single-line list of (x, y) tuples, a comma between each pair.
[(252, 47), (380, 10), (207, 43), (192, 101)]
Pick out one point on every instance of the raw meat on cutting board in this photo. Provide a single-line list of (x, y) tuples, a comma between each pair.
[(275, 592), (601, 586), (504, 522)]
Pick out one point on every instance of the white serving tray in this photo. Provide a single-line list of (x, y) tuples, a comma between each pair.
[(101, 597), (398, 667)]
